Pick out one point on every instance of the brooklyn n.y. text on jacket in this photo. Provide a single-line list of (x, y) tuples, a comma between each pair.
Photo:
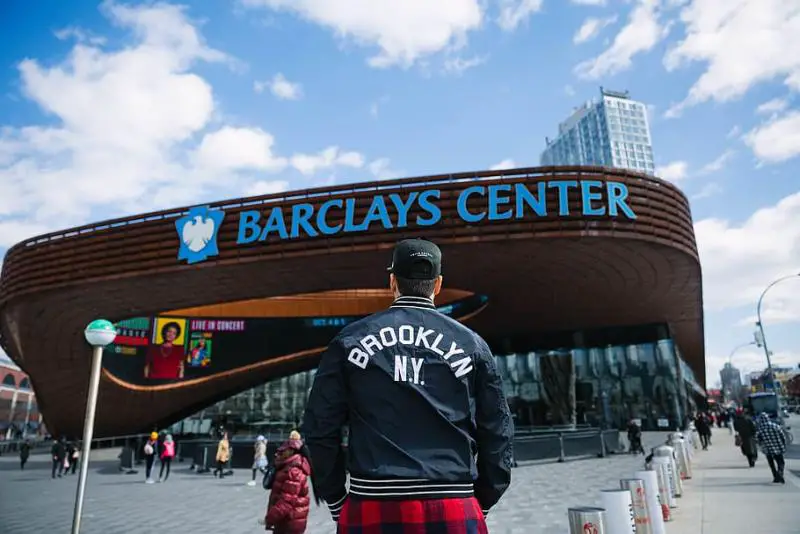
[(424, 405)]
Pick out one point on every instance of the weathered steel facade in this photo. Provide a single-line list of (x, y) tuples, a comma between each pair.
[(542, 273)]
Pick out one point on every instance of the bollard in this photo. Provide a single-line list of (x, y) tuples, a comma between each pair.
[(639, 501), (561, 455), (587, 520), (680, 456), (653, 506), (602, 445), (663, 490), (618, 504), (668, 452), (666, 463)]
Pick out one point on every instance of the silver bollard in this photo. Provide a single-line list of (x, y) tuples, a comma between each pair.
[(663, 490), (587, 520), (668, 452), (666, 464), (618, 505), (639, 500), (682, 454)]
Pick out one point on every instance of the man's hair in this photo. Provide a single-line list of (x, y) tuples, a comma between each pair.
[(415, 288)]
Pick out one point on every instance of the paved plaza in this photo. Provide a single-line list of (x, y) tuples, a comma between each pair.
[(31, 502)]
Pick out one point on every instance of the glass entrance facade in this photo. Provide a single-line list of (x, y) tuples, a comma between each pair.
[(601, 378)]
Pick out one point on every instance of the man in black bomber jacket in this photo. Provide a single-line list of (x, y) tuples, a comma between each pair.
[(430, 431)]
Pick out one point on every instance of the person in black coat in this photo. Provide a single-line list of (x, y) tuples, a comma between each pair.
[(746, 437), (703, 426), (24, 453), (58, 453)]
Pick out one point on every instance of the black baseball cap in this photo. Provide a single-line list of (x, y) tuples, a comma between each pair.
[(416, 259)]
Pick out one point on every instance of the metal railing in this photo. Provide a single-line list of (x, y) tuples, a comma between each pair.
[(39, 445)]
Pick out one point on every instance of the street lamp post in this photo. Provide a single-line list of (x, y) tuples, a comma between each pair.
[(98, 334), (735, 349), (760, 324), (730, 357)]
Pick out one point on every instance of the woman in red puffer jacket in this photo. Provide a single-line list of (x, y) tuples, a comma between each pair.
[(287, 512)]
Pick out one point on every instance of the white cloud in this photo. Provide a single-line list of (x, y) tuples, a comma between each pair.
[(735, 132), (674, 172), (504, 165), (326, 159), (381, 169), (403, 32), (776, 105), (264, 187), (742, 43), (375, 107), (569, 90), (130, 129), (777, 140), (589, 2), (740, 260), (280, 87), (591, 28), (233, 149), (709, 190), (641, 33), (718, 164), (515, 12), (457, 65)]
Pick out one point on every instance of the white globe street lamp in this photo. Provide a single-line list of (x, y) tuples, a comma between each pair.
[(98, 334)]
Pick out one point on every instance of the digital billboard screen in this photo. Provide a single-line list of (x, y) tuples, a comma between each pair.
[(150, 351)]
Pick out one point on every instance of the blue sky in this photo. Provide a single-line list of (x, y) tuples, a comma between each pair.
[(108, 109)]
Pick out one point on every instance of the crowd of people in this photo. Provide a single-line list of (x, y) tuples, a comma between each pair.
[(752, 433)]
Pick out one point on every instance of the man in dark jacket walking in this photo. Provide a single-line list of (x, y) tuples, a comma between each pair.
[(746, 437), (430, 431), (59, 454)]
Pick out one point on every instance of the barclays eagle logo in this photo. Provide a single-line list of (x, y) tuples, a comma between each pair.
[(197, 231)]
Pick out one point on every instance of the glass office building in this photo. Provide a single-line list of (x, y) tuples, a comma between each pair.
[(601, 378), (612, 131)]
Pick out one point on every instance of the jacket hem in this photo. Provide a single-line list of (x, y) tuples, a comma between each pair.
[(394, 489)]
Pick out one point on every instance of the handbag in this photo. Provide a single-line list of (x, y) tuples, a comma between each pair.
[(737, 440), (269, 477)]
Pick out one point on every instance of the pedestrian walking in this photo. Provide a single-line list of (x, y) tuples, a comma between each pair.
[(167, 454), (703, 426), (772, 440), (429, 427), (223, 455), (150, 450), (289, 502), (259, 458), (635, 437), (745, 437), (24, 454), (58, 452)]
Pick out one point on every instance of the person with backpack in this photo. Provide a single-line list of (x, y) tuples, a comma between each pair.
[(150, 448), (167, 454)]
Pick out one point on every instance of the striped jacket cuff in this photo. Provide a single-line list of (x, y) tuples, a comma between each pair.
[(336, 507)]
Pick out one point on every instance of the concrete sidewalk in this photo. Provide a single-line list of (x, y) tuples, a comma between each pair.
[(725, 495)]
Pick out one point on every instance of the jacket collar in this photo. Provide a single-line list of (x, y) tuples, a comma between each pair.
[(414, 302)]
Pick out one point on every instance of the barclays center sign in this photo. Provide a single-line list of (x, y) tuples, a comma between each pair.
[(199, 228)]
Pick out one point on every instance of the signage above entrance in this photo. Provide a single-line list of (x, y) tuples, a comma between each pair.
[(475, 203)]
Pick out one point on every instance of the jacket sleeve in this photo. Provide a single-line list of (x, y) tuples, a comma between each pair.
[(495, 431), (326, 414)]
